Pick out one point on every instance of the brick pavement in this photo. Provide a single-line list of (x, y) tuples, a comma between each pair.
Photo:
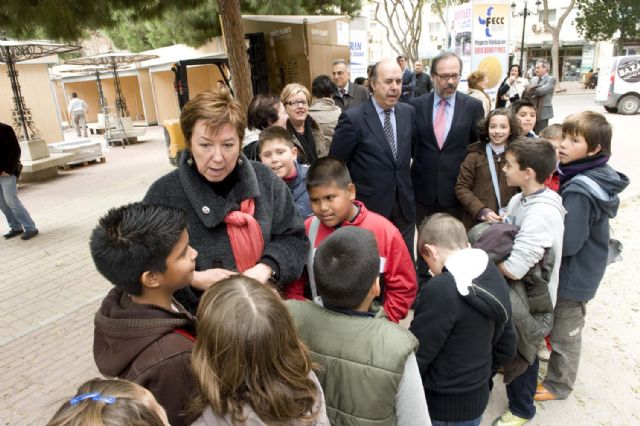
[(49, 288)]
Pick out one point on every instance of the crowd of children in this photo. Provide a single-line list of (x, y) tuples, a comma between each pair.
[(537, 212)]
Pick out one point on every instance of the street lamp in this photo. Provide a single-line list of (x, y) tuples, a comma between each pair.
[(524, 13)]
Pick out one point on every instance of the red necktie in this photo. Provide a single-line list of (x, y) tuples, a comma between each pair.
[(440, 123)]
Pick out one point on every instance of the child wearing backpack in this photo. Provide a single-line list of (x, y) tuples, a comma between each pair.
[(334, 205), (250, 364), (141, 332), (589, 188), (481, 188), (369, 371)]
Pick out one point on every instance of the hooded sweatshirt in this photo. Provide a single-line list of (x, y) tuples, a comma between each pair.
[(540, 217), (463, 324), (139, 343), (591, 199)]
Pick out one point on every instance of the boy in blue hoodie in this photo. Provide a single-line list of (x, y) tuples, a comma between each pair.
[(589, 188)]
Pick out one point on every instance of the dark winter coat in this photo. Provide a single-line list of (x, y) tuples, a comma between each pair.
[(285, 243), (463, 324), (531, 303), (9, 150)]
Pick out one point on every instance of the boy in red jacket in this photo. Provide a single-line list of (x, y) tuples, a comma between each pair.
[(332, 196)]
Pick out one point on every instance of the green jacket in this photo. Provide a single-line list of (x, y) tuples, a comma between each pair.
[(361, 362)]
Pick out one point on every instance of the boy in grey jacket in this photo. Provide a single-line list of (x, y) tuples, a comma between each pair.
[(539, 213)]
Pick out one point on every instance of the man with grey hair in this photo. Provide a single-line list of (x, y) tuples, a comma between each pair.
[(374, 140), (348, 94), (543, 85)]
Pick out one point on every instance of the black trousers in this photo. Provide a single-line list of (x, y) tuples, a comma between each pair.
[(406, 228)]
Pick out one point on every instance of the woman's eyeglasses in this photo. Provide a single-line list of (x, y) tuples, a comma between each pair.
[(296, 103)]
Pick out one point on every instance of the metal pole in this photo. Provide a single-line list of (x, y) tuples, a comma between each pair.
[(524, 26)]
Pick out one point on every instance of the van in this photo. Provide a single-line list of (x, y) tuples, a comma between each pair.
[(619, 85)]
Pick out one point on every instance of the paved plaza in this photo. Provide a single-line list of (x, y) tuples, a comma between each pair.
[(49, 292)]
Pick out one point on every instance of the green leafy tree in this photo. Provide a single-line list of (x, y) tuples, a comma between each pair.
[(602, 19)]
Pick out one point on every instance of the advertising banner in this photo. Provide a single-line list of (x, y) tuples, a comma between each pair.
[(460, 33), (490, 51), (359, 53)]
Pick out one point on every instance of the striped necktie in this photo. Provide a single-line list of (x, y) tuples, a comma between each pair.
[(388, 133)]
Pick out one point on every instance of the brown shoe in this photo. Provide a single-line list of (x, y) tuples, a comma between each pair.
[(543, 394)]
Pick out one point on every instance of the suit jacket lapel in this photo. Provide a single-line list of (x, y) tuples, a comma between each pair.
[(373, 122)]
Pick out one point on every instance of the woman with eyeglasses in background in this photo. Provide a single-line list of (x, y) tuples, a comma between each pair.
[(296, 99)]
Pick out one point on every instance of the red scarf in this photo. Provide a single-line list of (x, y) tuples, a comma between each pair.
[(245, 235)]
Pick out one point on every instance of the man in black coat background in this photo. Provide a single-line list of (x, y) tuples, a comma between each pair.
[(379, 160)]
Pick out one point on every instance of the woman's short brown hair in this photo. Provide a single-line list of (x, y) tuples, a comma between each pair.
[(119, 402), (216, 109), (248, 354), (292, 89), (475, 78)]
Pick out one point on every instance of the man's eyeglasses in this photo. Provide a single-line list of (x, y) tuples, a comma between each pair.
[(296, 103), (446, 77)]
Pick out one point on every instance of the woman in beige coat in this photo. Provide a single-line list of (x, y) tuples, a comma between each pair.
[(478, 82), (323, 109)]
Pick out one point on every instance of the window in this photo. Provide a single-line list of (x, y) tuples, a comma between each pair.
[(552, 16)]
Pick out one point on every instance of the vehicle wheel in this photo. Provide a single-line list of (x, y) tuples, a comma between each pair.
[(629, 104), (611, 109)]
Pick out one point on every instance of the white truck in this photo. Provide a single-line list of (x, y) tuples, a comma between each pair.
[(618, 87)]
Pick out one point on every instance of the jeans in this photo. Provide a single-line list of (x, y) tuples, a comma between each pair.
[(522, 390), (17, 216), (566, 341), (474, 422)]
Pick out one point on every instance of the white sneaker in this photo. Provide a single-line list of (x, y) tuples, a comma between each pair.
[(509, 419)]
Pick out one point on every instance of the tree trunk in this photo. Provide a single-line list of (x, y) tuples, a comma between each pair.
[(555, 35), (237, 53), (555, 53)]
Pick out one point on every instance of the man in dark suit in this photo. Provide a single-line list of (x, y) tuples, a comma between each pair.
[(445, 126), (348, 94), (374, 140), (18, 217), (408, 80)]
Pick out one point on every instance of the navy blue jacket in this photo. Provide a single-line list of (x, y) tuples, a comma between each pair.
[(589, 204), (298, 188), (435, 171)]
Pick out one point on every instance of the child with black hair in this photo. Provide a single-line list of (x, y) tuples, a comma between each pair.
[(462, 321), (589, 188), (334, 205), (525, 112), (481, 188), (369, 372), (141, 333)]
